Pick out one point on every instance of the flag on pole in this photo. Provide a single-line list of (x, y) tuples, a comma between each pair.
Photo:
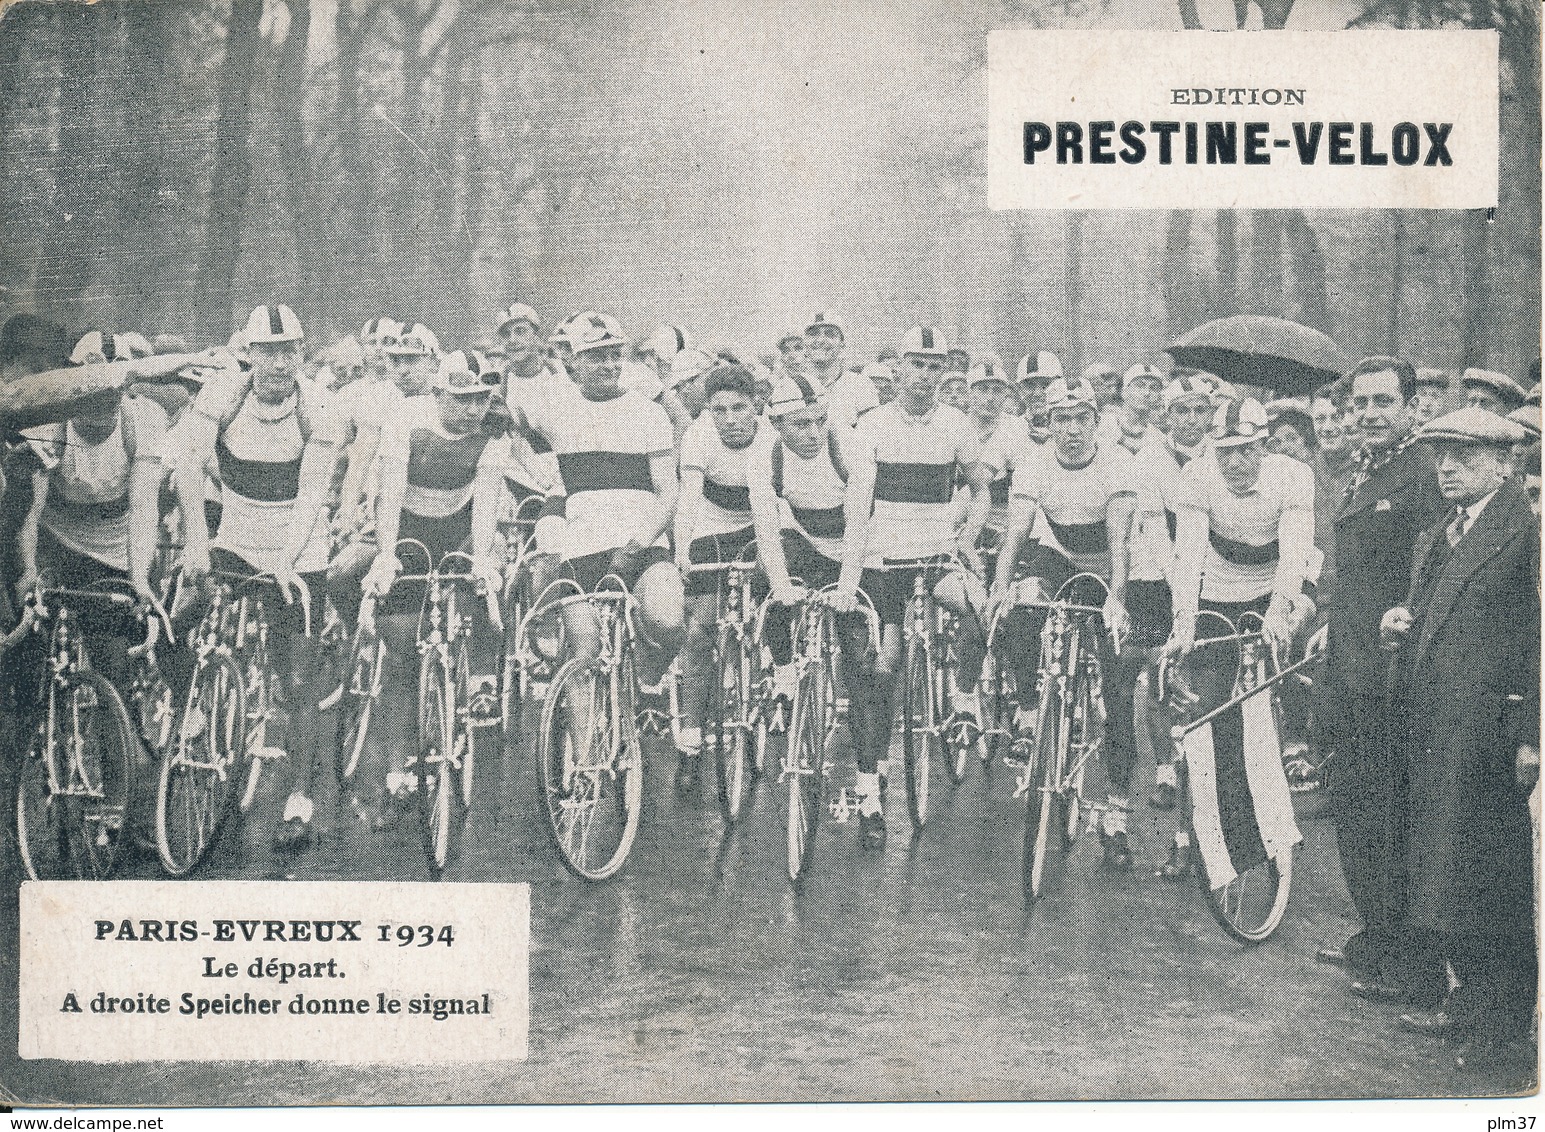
[(1242, 809)]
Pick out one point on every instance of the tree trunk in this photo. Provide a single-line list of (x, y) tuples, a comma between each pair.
[(1073, 271), (1477, 253), (138, 270), (1308, 263), (1225, 290), (1397, 281), (1268, 290), (300, 189), (232, 170)]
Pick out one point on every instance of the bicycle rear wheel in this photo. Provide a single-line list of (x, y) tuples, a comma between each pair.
[(1250, 907), (919, 732), (590, 768), (439, 794), (805, 762), (998, 707), (729, 706), (42, 836), (198, 772)]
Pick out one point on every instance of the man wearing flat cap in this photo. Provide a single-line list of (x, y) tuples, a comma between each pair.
[(1466, 685), (1495, 392)]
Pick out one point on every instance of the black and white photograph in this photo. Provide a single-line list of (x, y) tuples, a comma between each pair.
[(581, 551)]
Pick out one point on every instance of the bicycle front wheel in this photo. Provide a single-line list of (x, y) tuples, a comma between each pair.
[(439, 803), (356, 706), (805, 763), (729, 708), (590, 768), (256, 697), (198, 772), (918, 731), (1250, 906), (1041, 801)]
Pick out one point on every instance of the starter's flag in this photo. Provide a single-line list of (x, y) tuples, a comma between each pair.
[(1242, 810)]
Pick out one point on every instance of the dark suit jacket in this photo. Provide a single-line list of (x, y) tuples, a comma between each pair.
[(1375, 532), (1468, 695)]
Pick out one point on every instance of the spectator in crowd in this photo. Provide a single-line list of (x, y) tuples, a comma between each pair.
[(1292, 432), (1432, 394), (1467, 709), (1392, 497), (1495, 392)]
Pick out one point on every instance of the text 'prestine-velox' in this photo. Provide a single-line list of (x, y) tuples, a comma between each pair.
[(1237, 143)]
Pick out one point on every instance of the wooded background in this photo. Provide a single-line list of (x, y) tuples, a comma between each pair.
[(167, 164)]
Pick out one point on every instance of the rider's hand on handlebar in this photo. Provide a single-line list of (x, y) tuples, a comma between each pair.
[(487, 571), (1115, 616), (843, 599), (624, 557), (1182, 638), (1393, 628), (195, 563), (142, 590), (382, 573), (789, 594), (289, 583)]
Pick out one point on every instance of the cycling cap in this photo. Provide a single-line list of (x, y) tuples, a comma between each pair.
[(517, 312), (273, 323), (924, 340), (1153, 373), (666, 342), (415, 340), (689, 363), (100, 346), (592, 331), (1040, 366), (465, 374), (827, 318), (1189, 385), (793, 392), (1241, 420), (987, 368), (1070, 393), (378, 328)]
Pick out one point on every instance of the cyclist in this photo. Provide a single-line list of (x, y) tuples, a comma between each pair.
[(1081, 497), (1244, 543), (92, 505), (713, 525), (1033, 375), (797, 483), (1131, 422), (618, 471), (274, 437), (955, 388), (848, 395), (899, 505), (1188, 409), (442, 483), (1005, 444), (518, 330), (791, 354)]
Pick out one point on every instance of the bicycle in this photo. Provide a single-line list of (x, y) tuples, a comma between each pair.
[(739, 693), (444, 764), (77, 776), (1239, 663), (806, 766), (931, 638), (1070, 724), (589, 756), (525, 652)]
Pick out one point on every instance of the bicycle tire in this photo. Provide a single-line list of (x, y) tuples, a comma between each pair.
[(463, 736), (356, 707), (805, 768), (579, 773), (1265, 887), (1041, 799), (1086, 728), (729, 708), (998, 728), (918, 731), (256, 696), (198, 772), (86, 823), (510, 699), (433, 783)]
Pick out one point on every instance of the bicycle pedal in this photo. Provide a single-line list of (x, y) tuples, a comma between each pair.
[(653, 722), (86, 696), (843, 806)]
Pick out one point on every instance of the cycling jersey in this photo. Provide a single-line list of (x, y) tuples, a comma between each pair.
[(849, 398), (1073, 502), (726, 503), (1004, 447), (87, 508), (1157, 477), (1244, 559), (603, 450), (915, 460), (442, 466), (258, 450), (811, 491)]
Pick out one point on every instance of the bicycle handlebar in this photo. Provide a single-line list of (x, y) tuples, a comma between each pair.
[(302, 590)]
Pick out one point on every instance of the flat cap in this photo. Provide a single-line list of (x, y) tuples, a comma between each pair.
[(1472, 426), (1508, 390), (1429, 377), (1527, 417)]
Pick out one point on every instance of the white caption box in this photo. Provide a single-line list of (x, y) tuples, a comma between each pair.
[(354, 973), (1262, 119)]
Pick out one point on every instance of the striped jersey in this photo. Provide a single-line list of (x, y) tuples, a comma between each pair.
[(808, 493), (1072, 503), (1157, 470), (916, 461), (1243, 552), (1004, 448), (442, 466), (603, 450), (726, 503)]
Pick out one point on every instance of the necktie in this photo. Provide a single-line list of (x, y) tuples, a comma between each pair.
[(1457, 528)]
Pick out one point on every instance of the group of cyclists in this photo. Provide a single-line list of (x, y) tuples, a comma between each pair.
[(654, 462)]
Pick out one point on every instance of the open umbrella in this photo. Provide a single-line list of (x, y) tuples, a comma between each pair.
[(1256, 349)]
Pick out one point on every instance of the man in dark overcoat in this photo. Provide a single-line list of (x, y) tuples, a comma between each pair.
[(1467, 694), (1392, 497)]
